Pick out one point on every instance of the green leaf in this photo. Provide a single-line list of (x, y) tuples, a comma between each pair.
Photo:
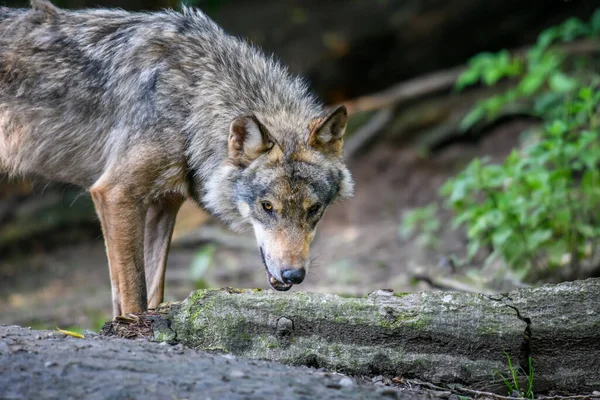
[(595, 22), (585, 93), (472, 249), (201, 262), (572, 28), (459, 190), (494, 105), (472, 118), (423, 219), (491, 76), (536, 238), (464, 217), (500, 237), (546, 38), (557, 128), (562, 83), (467, 78), (587, 231), (530, 84)]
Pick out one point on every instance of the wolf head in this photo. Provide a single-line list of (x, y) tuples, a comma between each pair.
[(282, 189)]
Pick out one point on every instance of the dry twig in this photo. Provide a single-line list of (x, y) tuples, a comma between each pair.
[(442, 80), (367, 132), (494, 395)]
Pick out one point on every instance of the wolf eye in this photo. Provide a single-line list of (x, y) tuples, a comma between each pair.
[(267, 206), (314, 209)]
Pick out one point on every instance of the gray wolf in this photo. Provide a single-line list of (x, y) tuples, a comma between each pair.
[(145, 110)]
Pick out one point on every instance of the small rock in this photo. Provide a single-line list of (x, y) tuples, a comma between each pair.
[(5, 348), (596, 393), (381, 380), (285, 326), (163, 344), (381, 293), (302, 391), (49, 364), (177, 349), (334, 385), (236, 373), (346, 381)]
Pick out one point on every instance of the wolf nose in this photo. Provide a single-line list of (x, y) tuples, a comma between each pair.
[(294, 276)]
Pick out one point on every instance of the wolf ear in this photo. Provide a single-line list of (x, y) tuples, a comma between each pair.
[(248, 139), (326, 133), (45, 6)]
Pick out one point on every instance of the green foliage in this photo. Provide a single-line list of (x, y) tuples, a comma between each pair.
[(423, 221), (541, 206), (542, 202), (200, 266), (513, 384), (540, 72)]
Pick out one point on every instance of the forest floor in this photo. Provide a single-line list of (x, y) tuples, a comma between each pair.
[(51, 365), (357, 248)]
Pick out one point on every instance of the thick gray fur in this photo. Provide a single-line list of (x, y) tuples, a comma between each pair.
[(97, 81), (81, 91)]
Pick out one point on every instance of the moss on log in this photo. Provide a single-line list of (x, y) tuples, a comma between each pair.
[(435, 336)]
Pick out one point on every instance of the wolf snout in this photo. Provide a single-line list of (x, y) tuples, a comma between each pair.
[(294, 276)]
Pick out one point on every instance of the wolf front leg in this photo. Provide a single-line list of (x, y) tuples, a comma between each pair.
[(160, 221), (122, 220)]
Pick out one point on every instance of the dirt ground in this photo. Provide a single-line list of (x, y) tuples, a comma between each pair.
[(357, 248), (50, 365)]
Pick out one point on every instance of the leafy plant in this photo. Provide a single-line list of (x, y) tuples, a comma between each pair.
[(541, 206), (513, 383), (201, 263), (540, 71), (425, 222), (542, 202)]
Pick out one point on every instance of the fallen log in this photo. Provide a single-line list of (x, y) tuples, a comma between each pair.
[(442, 337), (443, 80)]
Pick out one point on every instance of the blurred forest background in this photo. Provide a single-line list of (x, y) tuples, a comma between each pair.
[(473, 140)]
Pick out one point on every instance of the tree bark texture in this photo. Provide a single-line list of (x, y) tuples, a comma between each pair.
[(446, 337)]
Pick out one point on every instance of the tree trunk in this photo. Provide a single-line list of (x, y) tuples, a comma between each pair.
[(436, 336)]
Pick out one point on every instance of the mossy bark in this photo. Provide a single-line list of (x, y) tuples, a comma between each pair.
[(436, 336)]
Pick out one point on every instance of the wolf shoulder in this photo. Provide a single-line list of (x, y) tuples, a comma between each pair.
[(123, 42), (87, 59)]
